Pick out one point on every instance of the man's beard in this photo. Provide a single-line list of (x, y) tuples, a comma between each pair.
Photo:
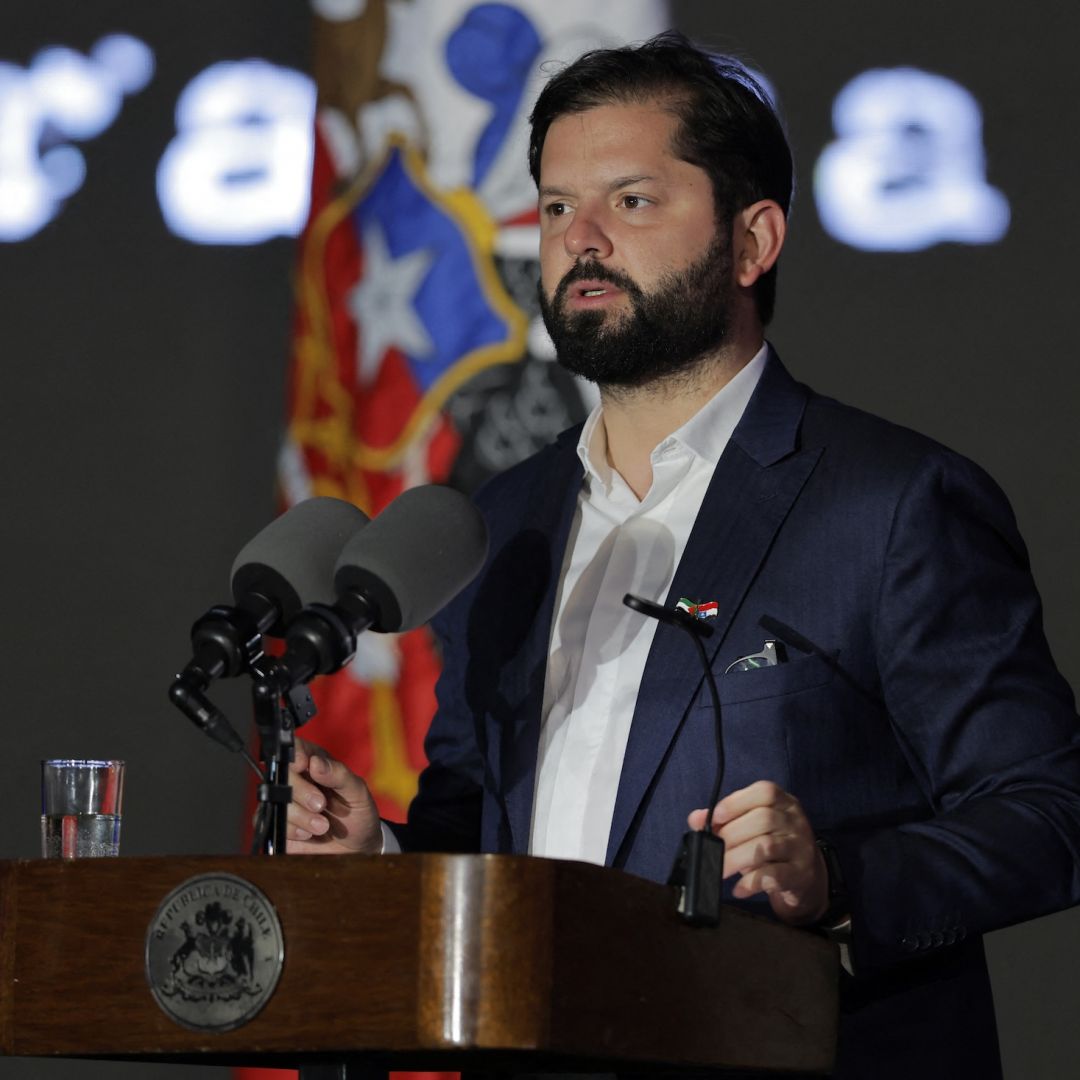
[(666, 332)]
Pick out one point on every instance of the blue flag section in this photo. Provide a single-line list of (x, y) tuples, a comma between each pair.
[(428, 295)]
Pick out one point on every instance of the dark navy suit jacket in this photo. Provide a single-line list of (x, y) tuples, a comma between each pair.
[(940, 753)]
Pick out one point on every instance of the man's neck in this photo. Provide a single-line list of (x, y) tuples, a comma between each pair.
[(637, 420)]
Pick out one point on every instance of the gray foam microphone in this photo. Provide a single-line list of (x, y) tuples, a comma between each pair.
[(414, 557), (291, 562), (287, 566)]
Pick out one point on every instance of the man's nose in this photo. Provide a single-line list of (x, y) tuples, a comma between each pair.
[(586, 236)]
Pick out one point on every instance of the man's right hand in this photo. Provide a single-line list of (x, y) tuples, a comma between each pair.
[(332, 811)]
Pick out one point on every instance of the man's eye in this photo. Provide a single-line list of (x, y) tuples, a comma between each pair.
[(555, 209), (634, 202)]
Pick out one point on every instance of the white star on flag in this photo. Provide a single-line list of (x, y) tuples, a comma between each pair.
[(382, 304)]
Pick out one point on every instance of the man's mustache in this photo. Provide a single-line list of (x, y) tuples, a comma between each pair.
[(594, 271)]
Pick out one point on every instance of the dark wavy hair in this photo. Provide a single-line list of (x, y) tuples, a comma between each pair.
[(727, 125)]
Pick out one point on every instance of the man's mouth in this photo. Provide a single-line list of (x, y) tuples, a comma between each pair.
[(592, 292)]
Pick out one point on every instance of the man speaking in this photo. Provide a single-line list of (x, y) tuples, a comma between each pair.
[(904, 770)]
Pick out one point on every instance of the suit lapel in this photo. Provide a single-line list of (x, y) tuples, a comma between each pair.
[(755, 483), (546, 525)]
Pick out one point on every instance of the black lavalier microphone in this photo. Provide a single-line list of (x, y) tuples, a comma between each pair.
[(698, 872)]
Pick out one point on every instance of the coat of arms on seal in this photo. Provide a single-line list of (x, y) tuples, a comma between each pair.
[(214, 952)]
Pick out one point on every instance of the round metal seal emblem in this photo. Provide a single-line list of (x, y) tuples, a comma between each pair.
[(214, 952)]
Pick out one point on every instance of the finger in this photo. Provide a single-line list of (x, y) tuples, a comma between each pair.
[(306, 794), (315, 846), (755, 821), (294, 832), (760, 822), (735, 805), (793, 845), (761, 793), (305, 821), (751, 884), (336, 779), (698, 820), (301, 755), (760, 852), (773, 879), (311, 770)]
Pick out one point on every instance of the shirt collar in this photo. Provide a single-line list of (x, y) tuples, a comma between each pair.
[(705, 435)]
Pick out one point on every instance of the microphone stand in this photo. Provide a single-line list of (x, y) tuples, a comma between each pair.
[(279, 710), (320, 640), (228, 641)]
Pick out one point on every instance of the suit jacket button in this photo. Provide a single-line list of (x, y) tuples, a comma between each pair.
[(950, 937), (909, 943), (924, 939), (937, 938), (961, 933)]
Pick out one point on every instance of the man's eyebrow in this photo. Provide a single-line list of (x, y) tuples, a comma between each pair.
[(549, 192), (628, 181)]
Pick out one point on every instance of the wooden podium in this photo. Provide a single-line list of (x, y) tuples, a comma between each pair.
[(421, 961)]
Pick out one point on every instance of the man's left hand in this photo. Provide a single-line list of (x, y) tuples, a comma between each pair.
[(768, 840)]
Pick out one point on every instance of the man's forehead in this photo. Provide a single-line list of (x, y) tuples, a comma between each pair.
[(620, 141), (649, 117)]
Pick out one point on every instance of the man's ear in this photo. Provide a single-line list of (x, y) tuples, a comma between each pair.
[(758, 234)]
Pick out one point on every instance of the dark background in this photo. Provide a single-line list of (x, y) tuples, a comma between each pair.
[(143, 401)]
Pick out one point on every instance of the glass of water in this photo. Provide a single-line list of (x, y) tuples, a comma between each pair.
[(80, 808)]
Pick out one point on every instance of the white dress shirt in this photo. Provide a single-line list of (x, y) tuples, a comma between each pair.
[(598, 646)]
